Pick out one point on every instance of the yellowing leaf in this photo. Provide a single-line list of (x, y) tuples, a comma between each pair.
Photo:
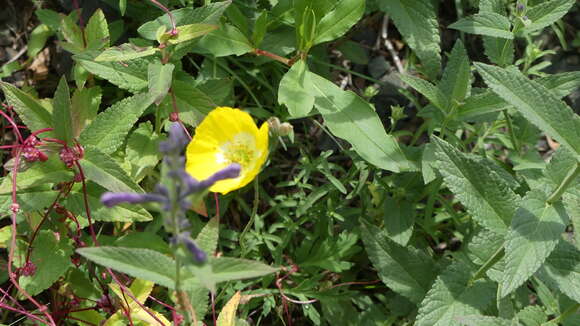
[(227, 316)]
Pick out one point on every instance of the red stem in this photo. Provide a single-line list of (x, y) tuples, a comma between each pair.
[(171, 19), (14, 126)]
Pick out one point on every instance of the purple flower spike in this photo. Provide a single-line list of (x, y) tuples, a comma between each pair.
[(229, 172), (177, 140), (111, 199), (199, 255)]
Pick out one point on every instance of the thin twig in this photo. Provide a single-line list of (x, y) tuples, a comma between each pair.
[(389, 45)]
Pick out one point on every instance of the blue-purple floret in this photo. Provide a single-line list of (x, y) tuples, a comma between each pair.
[(185, 185)]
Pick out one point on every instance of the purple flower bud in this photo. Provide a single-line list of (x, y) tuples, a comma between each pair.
[(177, 140), (229, 172), (199, 255), (520, 7), (111, 199)]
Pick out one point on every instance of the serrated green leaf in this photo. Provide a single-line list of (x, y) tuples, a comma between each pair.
[(456, 80), (430, 91), (535, 230), (561, 272), (119, 213), (451, 297), (104, 171), (130, 75), (561, 85), (191, 31), (29, 109), (338, 21), (142, 263), (209, 14), (30, 199), (295, 90), (532, 316), (536, 103), (72, 32), (142, 150), (37, 40), (125, 52), (97, 31), (546, 13), (49, 17), (224, 41), (487, 197), (401, 268), (109, 129), (485, 23), (479, 320), (499, 50), (61, 113), (353, 119), (417, 22), (160, 77), (39, 173), (51, 256), (85, 103)]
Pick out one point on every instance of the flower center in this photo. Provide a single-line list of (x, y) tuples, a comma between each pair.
[(239, 152)]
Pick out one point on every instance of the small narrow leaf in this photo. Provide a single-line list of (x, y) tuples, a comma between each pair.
[(485, 23), (536, 229), (61, 113), (401, 268), (536, 103), (109, 129), (142, 263), (456, 80), (339, 20), (481, 190), (125, 52), (294, 90), (103, 170), (451, 296), (160, 77)]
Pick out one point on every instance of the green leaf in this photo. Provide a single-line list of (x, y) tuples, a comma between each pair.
[(142, 263), (103, 170), (337, 22), (85, 103), (561, 163), (72, 33), (260, 28), (487, 197), (109, 129), (456, 80), (49, 17), (29, 109), (39, 173), (535, 231), (37, 40), (51, 256), (417, 22), (97, 31), (142, 150), (399, 217), (224, 41), (209, 14), (402, 269), (122, 7), (546, 13), (61, 113), (193, 103), (536, 103), (160, 77), (561, 271), (295, 90), (189, 32), (130, 75), (451, 296), (485, 23), (479, 320), (125, 52), (353, 119), (532, 316), (430, 91), (118, 213)]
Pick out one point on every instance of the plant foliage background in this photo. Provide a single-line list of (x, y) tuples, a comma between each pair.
[(423, 166)]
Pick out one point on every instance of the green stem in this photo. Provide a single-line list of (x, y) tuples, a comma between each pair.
[(563, 316), (488, 264), (515, 141), (555, 196), (252, 218)]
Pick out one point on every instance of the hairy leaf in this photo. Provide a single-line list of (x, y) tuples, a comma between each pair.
[(97, 31), (562, 270), (339, 20), (189, 32), (39, 173), (430, 91), (534, 233), (103, 170), (546, 13), (226, 40), (536, 103), (61, 113), (160, 77), (485, 23), (403, 269), (125, 52), (456, 80), (479, 320), (29, 109)]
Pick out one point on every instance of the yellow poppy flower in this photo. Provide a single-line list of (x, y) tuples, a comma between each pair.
[(227, 136)]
